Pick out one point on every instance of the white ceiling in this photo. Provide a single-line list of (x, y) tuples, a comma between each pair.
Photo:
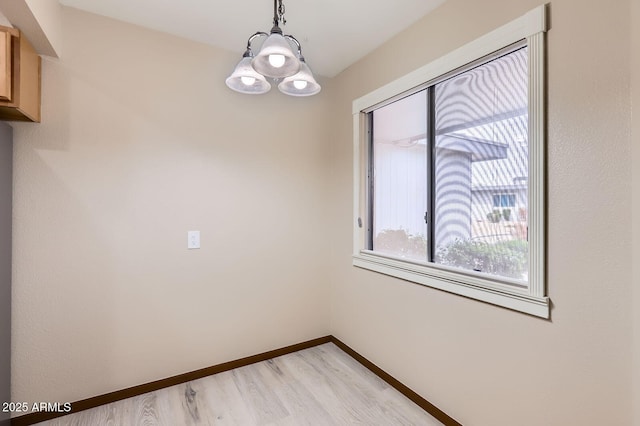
[(334, 33)]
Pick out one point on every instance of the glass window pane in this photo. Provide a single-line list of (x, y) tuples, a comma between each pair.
[(400, 178), (481, 163)]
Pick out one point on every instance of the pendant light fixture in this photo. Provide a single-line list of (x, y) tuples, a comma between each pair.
[(275, 60)]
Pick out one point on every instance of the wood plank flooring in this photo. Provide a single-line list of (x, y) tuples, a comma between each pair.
[(317, 386)]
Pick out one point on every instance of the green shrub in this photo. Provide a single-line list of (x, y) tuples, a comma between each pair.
[(504, 258), (506, 213), (494, 216)]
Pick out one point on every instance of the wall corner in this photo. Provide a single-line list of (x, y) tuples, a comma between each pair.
[(39, 20)]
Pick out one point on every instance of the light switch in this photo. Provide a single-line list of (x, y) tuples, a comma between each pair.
[(193, 239)]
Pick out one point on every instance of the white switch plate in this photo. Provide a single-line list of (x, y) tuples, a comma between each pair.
[(193, 239)]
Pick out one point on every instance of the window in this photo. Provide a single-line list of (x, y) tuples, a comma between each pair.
[(433, 174), (504, 200), (449, 171)]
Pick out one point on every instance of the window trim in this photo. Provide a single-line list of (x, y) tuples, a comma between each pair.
[(530, 29)]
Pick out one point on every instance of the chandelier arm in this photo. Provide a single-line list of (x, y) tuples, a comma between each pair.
[(296, 42), (253, 37)]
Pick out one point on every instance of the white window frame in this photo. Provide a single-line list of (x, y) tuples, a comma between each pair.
[(532, 299)]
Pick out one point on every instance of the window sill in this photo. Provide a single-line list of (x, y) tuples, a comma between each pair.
[(472, 285)]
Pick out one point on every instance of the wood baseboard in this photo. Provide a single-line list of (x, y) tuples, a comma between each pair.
[(85, 404), (399, 386)]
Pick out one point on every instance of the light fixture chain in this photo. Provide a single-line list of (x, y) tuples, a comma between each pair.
[(281, 13)]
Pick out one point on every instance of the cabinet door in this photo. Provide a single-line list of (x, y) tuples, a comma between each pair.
[(5, 66)]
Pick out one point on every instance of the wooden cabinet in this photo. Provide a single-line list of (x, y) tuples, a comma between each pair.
[(20, 70), (5, 66)]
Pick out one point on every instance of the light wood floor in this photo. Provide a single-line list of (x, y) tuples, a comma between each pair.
[(317, 386)]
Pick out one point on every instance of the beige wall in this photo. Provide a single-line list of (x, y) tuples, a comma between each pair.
[(482, 364), (140, 142), (6, 195), (635, 138), (47, 14)]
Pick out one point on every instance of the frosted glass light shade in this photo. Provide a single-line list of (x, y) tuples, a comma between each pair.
[(245, 79), (300, 84), (277, 46)]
